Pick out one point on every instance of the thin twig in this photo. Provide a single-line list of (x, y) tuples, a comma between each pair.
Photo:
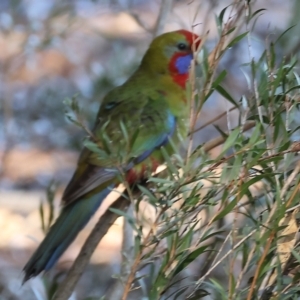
[(165, 9), (116, 290), (259, 264), (138, 257), (211, 121), (220, 139), (217, 254)]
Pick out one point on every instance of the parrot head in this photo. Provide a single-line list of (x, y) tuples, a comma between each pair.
[(171, 54)]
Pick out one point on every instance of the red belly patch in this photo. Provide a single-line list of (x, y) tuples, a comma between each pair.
[(141, 171)]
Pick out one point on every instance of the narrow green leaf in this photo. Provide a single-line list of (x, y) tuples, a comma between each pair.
[(284, 32), (221, 132), (272, 56), (256, 134), (236, 40), (124, 131), (178, 293), (122, 214), (222, 13), (190, 258), (229, 31), (227, 209), (168, 161), (219, 79), (256, 12), (147, 193), (296, 87), (208, 235), (219, 25), (245, 187), (93, 147), (41, 210), (226, 95), (230, 141)]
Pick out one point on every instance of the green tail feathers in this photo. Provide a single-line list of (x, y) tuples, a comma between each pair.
[(71, 220)]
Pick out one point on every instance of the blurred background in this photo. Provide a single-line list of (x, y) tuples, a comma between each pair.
[(52, 50)]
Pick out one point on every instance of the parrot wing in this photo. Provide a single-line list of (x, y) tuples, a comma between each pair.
[(155, 124)]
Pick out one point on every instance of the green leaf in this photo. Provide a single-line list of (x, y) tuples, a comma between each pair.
[(147, 193), (230, 141), (168, 161), (256, 12), (228, 208), (190, 258), (245, 187), (134, 137), (186, 240), (222, 13), (229, 31), (219, 25), (168, 233), (297, 77), (199, 294), (122, 214), (254, 156), (94, 147), (236, 40), (221, 132), (296, 87), (137, 244), (226, 95), (41, 211), (208, 235), (178, 293), (284, 32), (236, 167), (256, 134), (219, 79), (272, 56), (124, 132)]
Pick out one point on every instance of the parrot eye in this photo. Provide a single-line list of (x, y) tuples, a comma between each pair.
[(182, 46)]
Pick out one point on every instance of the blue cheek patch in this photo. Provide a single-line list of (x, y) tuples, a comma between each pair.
[(183, 63)]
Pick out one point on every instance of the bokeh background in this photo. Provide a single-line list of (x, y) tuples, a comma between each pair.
[(52, 50)]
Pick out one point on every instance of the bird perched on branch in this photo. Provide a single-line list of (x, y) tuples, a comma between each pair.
[(134, 121)]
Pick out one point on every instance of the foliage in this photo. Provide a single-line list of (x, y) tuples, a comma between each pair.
[(236, 213), (235, 210)]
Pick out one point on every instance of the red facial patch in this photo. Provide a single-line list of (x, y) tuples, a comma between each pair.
[(181, 78)]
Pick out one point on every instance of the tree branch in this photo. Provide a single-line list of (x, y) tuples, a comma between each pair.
[(116, 290)]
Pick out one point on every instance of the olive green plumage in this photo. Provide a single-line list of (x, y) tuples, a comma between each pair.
[(134, 121)]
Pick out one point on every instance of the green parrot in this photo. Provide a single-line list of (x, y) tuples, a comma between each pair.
[(134, 121)]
